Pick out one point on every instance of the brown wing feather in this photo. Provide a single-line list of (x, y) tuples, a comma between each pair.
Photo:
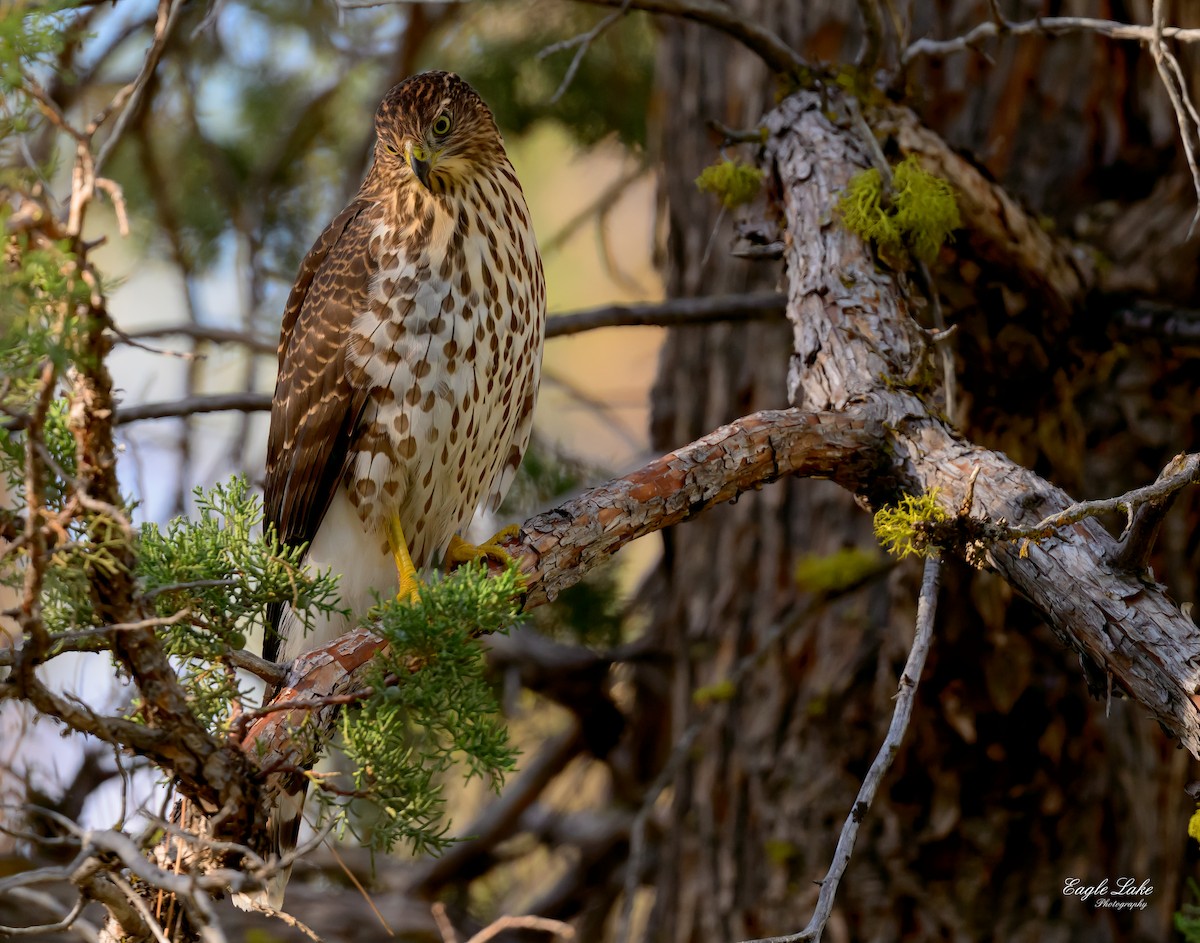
[(315, 409)]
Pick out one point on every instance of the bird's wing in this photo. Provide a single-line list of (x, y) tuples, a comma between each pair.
[(315, 408)]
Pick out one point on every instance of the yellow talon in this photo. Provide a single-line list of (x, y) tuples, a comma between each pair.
[(404, 565), (460, 552)]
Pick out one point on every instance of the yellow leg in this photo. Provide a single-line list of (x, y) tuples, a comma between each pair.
[(404, 564), (460, 552)]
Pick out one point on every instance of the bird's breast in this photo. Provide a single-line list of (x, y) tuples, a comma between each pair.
[(445, 357)]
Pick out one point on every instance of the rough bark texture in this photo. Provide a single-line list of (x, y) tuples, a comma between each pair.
[(855, 338)]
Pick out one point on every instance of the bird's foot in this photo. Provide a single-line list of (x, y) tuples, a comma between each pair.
[(460, 552), (409, 582)]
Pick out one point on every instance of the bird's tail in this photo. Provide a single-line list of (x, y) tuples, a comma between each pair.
[(283, 828)]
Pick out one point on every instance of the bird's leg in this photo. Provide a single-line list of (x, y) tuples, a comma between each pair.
[(404, 564), (460, 552)]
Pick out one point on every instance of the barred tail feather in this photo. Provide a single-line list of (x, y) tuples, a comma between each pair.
[(283, 828)]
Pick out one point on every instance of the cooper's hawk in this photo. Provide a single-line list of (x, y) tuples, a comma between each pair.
[(409, 358)]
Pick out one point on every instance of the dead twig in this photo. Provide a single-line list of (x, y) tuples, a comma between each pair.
[(1043, 26), (1177, 91), (1180, 472), (583, 42), (562, 930), (905, 698)]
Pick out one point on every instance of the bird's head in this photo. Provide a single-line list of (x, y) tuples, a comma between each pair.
[(435, 128)]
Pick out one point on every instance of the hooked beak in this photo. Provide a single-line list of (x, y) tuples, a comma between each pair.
[(419, 159)]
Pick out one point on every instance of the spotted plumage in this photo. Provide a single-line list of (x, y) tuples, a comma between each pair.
[(410, 352), (409, 356)]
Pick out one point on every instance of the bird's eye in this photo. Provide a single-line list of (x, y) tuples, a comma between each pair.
[(391, 149), (441, 127)]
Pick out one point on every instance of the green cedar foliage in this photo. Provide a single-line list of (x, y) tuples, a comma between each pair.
[(32, 38), (222, 576), (432, 707)]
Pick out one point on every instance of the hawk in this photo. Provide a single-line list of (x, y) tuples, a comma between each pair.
[(409, 360)]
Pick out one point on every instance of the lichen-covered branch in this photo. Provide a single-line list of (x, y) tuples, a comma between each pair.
[(996, 226), (856, 348)]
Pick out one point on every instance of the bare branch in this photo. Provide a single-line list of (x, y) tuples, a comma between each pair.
[(583, 43), (269, 671), (674, 312), (1181, 472), (1145, 521), (1044, 26), (555, 549), (777, 54), (445, 927), (191, 405), (906, 696), (128, 99), (70, 921), (557, 927), (201, 332), (671, 313), (1177, 91)]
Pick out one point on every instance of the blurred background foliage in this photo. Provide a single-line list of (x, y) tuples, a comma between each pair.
[(259, 126)]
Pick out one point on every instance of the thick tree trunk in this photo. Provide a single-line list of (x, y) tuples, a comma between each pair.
[(1012, 778)]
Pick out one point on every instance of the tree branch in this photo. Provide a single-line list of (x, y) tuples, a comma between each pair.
[(855, 345), (1043, 26), (997, 227), (554, 550), (192, 405), (906, 695), (674, 312), (777, 54), (1153, 36)]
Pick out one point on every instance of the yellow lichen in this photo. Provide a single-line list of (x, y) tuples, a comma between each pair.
[(734, 182), (903, 528), (837, 571), (1194, 825), (915, 218)]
